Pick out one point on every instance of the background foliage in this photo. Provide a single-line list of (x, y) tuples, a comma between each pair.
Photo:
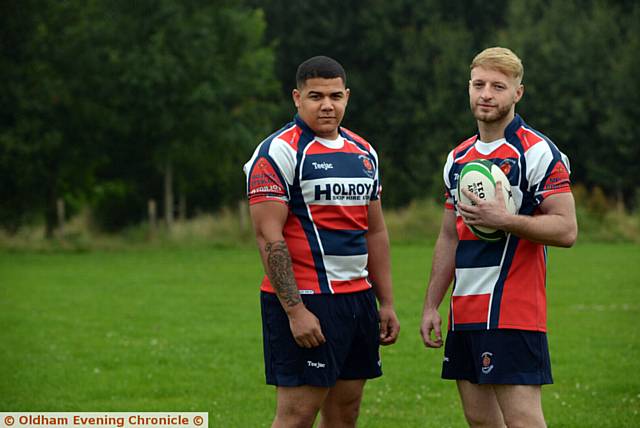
[(108, 104)]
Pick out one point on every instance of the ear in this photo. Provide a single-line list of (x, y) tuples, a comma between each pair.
[(519, 93), (347, 92), (295, 94)]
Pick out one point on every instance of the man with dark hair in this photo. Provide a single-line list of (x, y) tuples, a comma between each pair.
[(314, 195), (319, 66)]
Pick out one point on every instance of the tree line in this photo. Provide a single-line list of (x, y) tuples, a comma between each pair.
[(110, 104)]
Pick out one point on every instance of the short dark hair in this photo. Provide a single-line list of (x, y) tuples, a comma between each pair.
[(319, 66)]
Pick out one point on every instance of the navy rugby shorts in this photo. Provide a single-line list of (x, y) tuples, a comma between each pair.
[(350, 325), (502, 356)]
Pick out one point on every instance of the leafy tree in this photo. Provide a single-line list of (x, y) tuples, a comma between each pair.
[(578, 58), (195, 87), (110, 101), (47, 146)]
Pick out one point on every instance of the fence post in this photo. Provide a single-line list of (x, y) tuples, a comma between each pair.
[(243, 212), (60, 212), (153, 217)]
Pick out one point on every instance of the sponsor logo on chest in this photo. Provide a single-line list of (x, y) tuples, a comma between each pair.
[(343, 191)]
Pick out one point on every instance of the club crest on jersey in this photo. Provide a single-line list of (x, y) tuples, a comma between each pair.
[(506, 165), (486, 362), (367, 165)]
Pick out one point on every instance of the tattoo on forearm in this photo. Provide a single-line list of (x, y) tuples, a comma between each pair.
[(281, 272)]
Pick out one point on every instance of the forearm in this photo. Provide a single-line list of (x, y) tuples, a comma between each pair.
[(268, 221), (379, 266), (549, 229), (442, 271), (443, 263), (277, 261), (555, 224)]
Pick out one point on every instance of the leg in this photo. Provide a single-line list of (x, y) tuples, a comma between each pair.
[(342, 405), (298, 406), (521, 405), (480, 405)]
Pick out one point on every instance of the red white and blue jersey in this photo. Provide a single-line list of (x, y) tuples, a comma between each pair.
[(327, 185), (503, 284)]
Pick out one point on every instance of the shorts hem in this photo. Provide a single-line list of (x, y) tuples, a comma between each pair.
[(523, 379), (295, 382), (367, 377)]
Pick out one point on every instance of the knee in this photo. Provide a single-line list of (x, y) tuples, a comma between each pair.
[(298, 416), (524, 418), (348, 414), (477, 418), (343, 415)]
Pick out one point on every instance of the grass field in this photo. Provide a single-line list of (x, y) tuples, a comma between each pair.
[(179, 330)]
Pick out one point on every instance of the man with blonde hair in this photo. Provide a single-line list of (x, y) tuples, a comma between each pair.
[(496, 346)]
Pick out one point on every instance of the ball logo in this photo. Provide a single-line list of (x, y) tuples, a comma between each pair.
[(478, 190), (486, 362), (367, 165), (479, 177)]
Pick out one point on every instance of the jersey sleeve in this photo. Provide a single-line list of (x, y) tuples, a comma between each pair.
[(548, 171), (376, 193), (448, 201), (269, 173)]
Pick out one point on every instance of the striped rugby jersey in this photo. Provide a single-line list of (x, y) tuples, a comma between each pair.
[(503, 284), (327, 186)]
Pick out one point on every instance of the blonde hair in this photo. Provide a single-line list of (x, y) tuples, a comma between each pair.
[(501, 59)]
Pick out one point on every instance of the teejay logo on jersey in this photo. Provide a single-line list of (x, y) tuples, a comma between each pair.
[(322, 165), (317, 365), (337, 191)]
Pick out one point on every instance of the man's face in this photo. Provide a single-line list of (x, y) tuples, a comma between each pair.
[(493, 94), (321, 104)]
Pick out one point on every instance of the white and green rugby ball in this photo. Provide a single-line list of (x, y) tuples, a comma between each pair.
[(480, 178)]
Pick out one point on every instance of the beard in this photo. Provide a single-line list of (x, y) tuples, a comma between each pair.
[(492, 116)]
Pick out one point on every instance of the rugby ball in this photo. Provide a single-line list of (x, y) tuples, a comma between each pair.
[(480, 178)]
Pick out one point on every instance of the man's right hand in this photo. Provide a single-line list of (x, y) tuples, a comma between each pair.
[(431, 321), (305, 327)]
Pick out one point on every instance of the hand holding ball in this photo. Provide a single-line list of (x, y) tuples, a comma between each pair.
[(480, 178)]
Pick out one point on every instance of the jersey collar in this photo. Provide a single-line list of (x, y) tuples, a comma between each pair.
[(512, 127)]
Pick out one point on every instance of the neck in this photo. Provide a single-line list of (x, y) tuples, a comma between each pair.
[(328, 135), (491, 131)]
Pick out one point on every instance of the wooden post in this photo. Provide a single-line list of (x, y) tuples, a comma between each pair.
[(168, 195), (243, 215), (182, 207), (153, 217), (60, 212), (620, 201)]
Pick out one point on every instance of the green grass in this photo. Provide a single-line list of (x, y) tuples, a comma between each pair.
[(179, 330)]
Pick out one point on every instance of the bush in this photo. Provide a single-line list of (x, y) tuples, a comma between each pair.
[(599, 220)]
